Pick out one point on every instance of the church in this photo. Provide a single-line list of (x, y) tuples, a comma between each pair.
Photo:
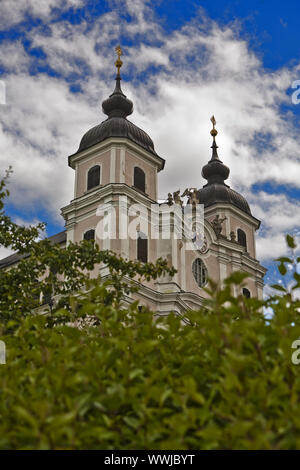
[(116, 177)]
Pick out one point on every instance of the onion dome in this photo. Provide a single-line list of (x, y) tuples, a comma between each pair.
[(215, 172), (117, 107)]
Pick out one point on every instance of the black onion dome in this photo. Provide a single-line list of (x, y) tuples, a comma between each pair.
[(116, 127), (216, 191), (117, 107), (215, 171)]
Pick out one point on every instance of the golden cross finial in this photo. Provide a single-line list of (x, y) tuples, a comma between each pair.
[(118, 62), (214, 131)]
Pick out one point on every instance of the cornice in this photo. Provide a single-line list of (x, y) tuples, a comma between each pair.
[(110, 189), (241, 214), (116, 142), (179, 298)]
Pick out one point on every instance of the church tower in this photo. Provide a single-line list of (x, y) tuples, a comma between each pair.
[(116, 165), (116, 169), (236, 235)]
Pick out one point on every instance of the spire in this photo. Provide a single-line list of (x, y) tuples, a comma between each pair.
[(215, 171), (118, 65), (214, 134), (117, 105)]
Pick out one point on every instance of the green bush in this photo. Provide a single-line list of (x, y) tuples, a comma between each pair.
[(219, 378), (223, 379)]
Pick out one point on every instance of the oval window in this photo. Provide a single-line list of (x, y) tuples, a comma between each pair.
[(199, 272)]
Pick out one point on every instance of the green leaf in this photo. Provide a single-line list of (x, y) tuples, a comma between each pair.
[(278, 287), (290, 241), (284, 259), (282, 269)]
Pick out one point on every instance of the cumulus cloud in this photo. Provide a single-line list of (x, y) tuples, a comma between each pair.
[(177, 81), (41, 126), (15, 11), (280, 215)]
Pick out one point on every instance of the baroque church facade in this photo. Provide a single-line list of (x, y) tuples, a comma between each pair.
[(116, 166)]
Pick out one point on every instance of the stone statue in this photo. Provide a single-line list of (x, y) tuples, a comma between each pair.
[(191, 193), (217, 224), (170, 199), (232, 236), (176, 197)]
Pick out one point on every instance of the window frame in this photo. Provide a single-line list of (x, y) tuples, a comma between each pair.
[(243, 233), (246, 293), (144, 173), (89, 230), (100, 176), (139, 237), (203, 268)]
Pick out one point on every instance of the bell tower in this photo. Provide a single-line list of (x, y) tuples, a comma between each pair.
[(229, 214), (115, 164)]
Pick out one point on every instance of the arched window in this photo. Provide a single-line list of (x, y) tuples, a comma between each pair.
[(139, 179), (242, 239), (93, 178), (142, 247), (199, 272), (246, 293), (89, 235)]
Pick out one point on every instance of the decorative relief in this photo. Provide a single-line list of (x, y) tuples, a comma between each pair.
[(201, 243)]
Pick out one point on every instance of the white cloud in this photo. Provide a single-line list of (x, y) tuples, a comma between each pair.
[(280, 215), (14, 11), (187, 75), (42, 125), (13, 57)]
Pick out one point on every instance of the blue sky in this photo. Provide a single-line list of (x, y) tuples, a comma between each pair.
[(183, 62)]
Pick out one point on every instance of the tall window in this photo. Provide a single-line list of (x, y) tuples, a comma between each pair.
[(142, 247), (89, 235), (139, 179), (242, 239), (246, 293), (199, 272), (93, 178)]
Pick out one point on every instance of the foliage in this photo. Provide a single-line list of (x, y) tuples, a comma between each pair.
[(220, 379)]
